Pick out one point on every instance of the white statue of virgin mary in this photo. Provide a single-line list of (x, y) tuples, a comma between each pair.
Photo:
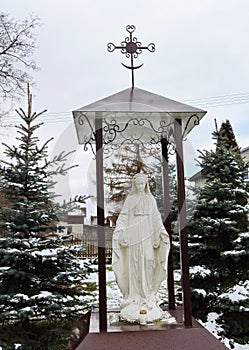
[(140, 252)]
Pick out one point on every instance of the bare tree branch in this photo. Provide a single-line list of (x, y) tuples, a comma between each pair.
[(17, 45)]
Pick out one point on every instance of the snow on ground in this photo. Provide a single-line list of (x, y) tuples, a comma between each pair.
[(114, 296), (214, 328)]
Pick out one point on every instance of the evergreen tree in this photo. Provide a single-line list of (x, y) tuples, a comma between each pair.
[(225, 137), (40, 276), (219, 239)]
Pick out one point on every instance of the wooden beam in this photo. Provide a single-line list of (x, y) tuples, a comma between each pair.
[(182, 218), (167, 221), (100, 225)]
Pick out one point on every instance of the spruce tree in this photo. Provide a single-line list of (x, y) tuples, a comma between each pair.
[(40, 276), (219, 240), (225, 137)]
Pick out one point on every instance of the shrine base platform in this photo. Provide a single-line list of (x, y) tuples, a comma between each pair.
[(158, 336)]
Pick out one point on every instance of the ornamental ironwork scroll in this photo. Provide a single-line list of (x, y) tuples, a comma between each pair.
[(136, 129), (131, 48), (131, 128), (196, 120)]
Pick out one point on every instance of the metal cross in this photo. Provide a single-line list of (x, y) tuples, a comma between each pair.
[(131, 48)]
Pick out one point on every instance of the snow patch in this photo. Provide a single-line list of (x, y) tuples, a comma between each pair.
[(233, 252), (17, 346), (200, 270), (201, 291), (214, 328), (237, 293), (43, 294), (21, 296)]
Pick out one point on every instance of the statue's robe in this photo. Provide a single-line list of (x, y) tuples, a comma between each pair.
[(140, 255)]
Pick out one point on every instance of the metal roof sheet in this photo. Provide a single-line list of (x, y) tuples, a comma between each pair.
[(139, 100)]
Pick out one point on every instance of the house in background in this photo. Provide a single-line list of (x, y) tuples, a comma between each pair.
[(110, 220), (245, 155), (74, 223), (198, 180)]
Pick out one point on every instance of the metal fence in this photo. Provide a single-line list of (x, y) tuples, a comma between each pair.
[(89, 241)]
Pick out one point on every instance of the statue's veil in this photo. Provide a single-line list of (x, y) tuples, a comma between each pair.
[(145, 178)]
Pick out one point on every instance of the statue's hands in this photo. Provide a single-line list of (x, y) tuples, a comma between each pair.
[(122, 240), (157, 243), (165, 237), (124, 243)]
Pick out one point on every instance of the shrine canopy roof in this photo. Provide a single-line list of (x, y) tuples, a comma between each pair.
[(134, 115)]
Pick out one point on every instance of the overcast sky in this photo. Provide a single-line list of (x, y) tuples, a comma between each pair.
[(201, 58)]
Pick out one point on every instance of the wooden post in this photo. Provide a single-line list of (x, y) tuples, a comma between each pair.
[(167, 221), (183, 225), (100, 225)]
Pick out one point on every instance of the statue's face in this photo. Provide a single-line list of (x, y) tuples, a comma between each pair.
[(140, 184)]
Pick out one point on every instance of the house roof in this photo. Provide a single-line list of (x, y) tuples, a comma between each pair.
[(244, 149), (195, 177)]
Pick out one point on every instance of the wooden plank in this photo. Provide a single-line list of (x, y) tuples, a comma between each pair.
[(171, 339)]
